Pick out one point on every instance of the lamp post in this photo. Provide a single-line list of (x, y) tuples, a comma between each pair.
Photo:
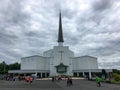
[(3, 67)]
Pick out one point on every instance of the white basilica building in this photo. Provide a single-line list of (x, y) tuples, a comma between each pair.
[(59, 61)]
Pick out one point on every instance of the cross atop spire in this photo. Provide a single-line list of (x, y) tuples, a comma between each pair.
[(60, 33)]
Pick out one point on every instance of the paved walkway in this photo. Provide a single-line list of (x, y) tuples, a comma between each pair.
[(48, 85)]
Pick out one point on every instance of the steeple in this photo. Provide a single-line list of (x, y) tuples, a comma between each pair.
[(60, 33)]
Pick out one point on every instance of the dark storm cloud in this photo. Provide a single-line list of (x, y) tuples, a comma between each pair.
[(102, 51), (71, 40), (107, 46), (113, 65), (12, 12), (7, 38), (101, 5), (31, 34), (67, 13), (101, 44), (99, 30), (11, 18), (30, 27), (100, 9)]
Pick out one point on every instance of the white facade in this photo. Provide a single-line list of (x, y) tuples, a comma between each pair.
[(56, 56), (59, 54), (58, 61), (84, 62), (35, 63)]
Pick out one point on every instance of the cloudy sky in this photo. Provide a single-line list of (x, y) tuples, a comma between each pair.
[(30, 27)]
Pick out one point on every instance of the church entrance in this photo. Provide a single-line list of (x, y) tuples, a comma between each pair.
[(61, 69)]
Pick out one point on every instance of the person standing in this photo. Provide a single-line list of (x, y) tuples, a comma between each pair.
[(28, 79), (53, 79), (31, 79), (98, 81), (69, 81)]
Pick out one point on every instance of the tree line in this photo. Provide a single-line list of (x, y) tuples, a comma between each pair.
[(5, 67)]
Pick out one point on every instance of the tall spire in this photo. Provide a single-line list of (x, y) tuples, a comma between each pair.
[(60, 33)]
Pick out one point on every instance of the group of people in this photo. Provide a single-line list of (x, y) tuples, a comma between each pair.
[(98, 81), (68, 79), (56, 78), (12, 77), (30, 79)]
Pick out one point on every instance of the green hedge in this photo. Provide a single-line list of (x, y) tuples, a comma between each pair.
[(116, 77)]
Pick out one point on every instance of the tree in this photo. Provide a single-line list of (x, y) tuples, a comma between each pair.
[(4, 67), (14, 66), (104, 74), (116, 71), (116, 77)]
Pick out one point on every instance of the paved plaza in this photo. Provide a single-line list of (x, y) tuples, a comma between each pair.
[(57, 85)]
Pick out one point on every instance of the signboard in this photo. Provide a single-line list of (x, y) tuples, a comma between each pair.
[(61, 68)]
